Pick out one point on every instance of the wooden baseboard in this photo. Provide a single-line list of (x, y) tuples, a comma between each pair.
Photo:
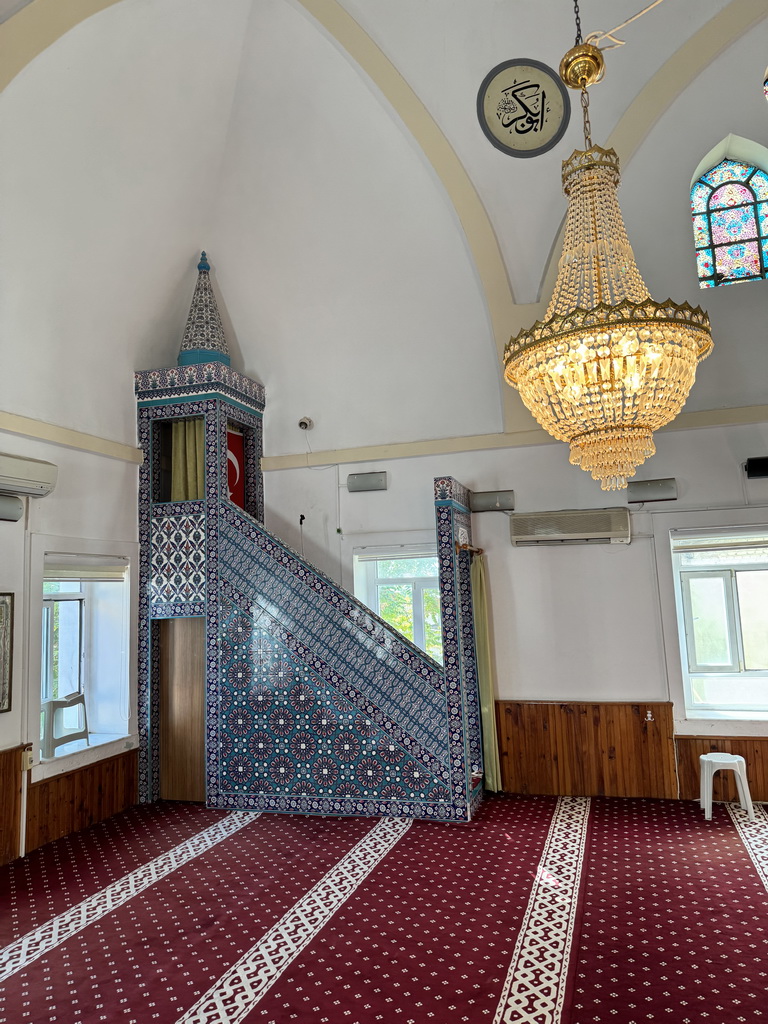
[(754, 750), (587, 749), (10, 805), (71, 802)]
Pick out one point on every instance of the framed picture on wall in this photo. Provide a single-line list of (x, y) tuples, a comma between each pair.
[(6, 650)]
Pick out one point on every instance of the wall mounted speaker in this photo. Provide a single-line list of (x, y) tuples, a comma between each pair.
[(756, 468), (652, 490), (11, 508), (367, 482), (492, 501)]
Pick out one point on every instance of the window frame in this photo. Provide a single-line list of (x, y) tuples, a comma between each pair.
[(710, 280), (699, 721), (41, 545), (367, 583)]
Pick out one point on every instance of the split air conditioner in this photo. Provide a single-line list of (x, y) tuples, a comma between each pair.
[(571, 526), (26, 476)]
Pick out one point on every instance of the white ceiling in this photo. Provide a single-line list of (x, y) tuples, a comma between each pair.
[(347, 269)]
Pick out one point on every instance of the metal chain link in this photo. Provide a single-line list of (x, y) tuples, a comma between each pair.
[(578, 22), (585, 112)]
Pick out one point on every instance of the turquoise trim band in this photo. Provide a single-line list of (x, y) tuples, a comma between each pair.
[(192, 356)]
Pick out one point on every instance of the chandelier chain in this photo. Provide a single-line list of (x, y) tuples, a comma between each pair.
[(578, 22), (585, 112)]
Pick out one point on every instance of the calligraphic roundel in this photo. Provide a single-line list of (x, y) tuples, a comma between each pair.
[(523, 107), (236, 468)]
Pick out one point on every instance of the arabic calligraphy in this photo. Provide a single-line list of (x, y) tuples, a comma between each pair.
[(523, 107)]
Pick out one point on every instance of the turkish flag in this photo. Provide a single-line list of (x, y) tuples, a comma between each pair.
[(236, 468)]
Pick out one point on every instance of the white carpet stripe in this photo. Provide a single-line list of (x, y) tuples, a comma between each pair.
[(42, 940), (754, 835), (237, 991), (534, 989)]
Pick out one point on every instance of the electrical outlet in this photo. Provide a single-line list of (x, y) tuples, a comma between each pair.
[(27, 760)]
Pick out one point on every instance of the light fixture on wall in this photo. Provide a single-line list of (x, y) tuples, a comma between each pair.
[(608, 365)]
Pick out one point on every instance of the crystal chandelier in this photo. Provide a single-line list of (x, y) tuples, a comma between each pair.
[(608, 365)]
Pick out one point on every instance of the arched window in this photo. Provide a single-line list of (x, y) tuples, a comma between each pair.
[(729, 205)]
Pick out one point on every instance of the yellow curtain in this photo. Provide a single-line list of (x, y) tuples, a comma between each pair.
[(485, 674), (187, 464)]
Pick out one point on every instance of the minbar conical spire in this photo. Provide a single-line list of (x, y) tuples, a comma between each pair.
[(203, 340)]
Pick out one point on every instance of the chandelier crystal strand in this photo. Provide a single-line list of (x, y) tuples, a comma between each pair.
[(608, 365)]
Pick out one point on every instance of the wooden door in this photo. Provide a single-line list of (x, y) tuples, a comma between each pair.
[(182, 709)]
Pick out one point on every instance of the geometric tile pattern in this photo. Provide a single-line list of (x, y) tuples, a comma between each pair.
[(373, 662), (235, 994), (534, 990), (182, 383), (454, 527), (178, 559), (288, 741)]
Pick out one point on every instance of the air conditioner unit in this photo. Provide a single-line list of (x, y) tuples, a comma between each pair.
[(571, 526), (26, 476)]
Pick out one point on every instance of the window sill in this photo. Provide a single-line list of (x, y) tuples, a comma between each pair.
[(78, 754)]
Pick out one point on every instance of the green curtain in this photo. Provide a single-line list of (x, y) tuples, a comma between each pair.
[(485, 674), (187, 464)]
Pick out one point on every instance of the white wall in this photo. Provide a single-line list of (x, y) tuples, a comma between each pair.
[(95, 499), (573, 623)]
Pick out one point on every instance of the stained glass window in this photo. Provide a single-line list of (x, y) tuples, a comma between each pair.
[(729, 206)]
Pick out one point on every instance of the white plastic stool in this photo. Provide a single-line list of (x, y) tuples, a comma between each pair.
[(714, 762)]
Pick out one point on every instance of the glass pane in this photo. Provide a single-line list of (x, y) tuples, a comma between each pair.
[(391, 568), (699, 197), (759, 182), (701, 230), (753, 609), (709, 625), (396, 606), (727, 170), (744, 691), (61, 586), (730, 225), (726, 557), (65, 670), (762, 212), (738, 261), (705, 263), (730, 195), (433, 633)]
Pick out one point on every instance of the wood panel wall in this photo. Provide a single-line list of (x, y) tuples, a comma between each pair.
[(182, 709), (595, 749), (70, 802), (754, 750), (10, 803)]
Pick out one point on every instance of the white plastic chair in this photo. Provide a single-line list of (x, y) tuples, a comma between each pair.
[(718, 761), (53, 733)]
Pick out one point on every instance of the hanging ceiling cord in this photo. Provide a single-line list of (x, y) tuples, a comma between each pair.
[(596, 38)]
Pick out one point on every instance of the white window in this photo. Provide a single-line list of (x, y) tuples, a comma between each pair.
[(721, 583), (84, 652), (403, 588)]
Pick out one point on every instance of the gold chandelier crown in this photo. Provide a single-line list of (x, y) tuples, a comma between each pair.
[(608, 365)]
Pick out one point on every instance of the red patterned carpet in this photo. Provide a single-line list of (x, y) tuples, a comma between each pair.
[(541, 911)]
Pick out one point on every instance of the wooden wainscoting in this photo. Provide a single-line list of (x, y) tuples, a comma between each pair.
[(10, 804), (68, 803), (754, 750), (596, 749)]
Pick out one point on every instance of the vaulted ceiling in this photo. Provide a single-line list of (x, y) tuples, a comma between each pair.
[(371, 250)]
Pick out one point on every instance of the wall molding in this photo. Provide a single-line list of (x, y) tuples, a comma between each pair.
[(489, 442), (64, 437)]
